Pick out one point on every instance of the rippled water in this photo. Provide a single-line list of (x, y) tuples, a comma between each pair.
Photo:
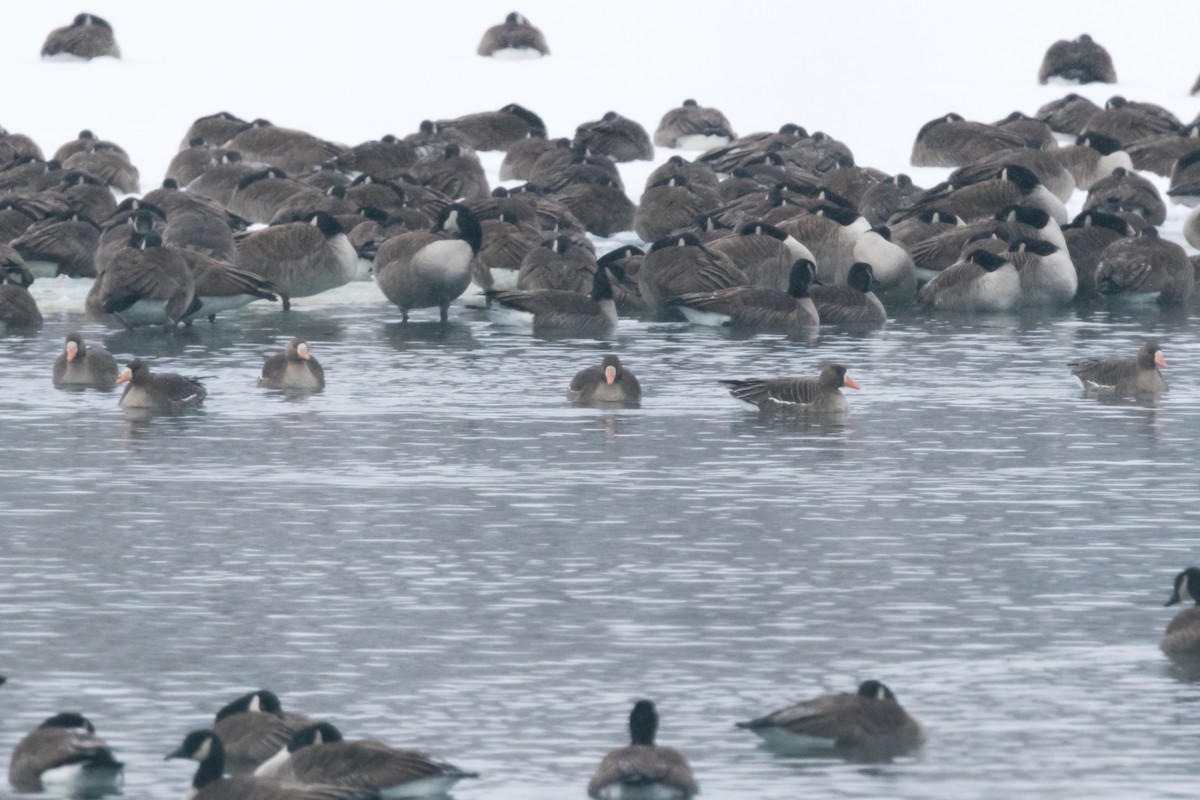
[(438, 551)]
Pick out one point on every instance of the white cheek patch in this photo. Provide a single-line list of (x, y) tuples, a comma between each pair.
[(203, 753), (256, 701), (1184, 594)]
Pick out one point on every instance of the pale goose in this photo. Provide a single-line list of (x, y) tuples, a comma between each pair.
[(65, 755), (643, 769), (299, 259), (820, 395), (80, 365), (605, 385), (424, 269), (1182, 638), (254, 727), (1124, 376), (757, 308)]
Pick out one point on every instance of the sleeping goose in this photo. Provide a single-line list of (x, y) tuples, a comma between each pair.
[(18, 309), (80, 365), (820, 395), (1182, 638), (254, 727), (1145, 268), (559, 264), (692, 126), (756, 308), (424, 269), (1124, 376), (678, 265), (560, 310), (643, 769), (615, 136), (1067, 115), (65, 755), (494, 130), (299, 259), (1078, 61), (87, 37), (952, 141), (1048, 278), (515, 38), (853, 303), (764, 252), (982, 281), (145, 284), (605, 385), (1126, 191)]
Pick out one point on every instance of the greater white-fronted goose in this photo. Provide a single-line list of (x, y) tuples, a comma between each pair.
[(87, 37), (255, 727), (1082, 60), (495, 130), (514, 38), (951, 141), (607, 384), (64, 754), (147, 284), (1182, 638), (293, 370), (320, 754), (615, 136), (820, 395), (865, 725), (679, 265), (210, 782), (299, 259), (1124, 376), (755, 308), (1048, 278), (692, 126), (1145, 268), (852, 303), (558, 310), (166, 391), (643, 769), (982, 281), (424, 269), (80, 365)]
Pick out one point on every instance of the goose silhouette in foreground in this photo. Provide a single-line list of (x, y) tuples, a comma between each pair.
[(80, 365), (643, 770), (1124, 376), (820, 395), (607, 384), (293, 370), (1182, 638), (865, 725), (87, 37), (64, 755), (166, 391), (319, 754)]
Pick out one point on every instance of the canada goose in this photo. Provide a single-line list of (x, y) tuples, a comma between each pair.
[(882, 199), (607, 384), (643, 770), (387, 157), (293, 151), (61, 244), (332, 201), (495, 130), (1191, 228), (670, 205), (220, 286), (1185, 180), (87, 37), (692, 126), (1012, 185), (522, 155), (210, 782), (558, 310), (756, 308), (1124, 376), (299, 259), (457, 174), (18, 309), (893, 271), (147, 284), (680, 264), (943, 249), (697, 172), (259, 195), (982, 281), (111, 166), (929, 223), (254, 727), (16, 145), (1125, 190), (165, 391), (623, 265), (203, 230), (1129, 122), (820, 395), (217, 129), (28, 174), (853, 303), (293, 370), (1045, 164), (220, 181), (1086, 237), (557, 264), (80, 365), (1035, 132), (1145, 268), (600, 204), (64, 754), (615, 136), (115, 237), (764, 252), (1068, 115), (1182, 638), (191, 162), (831, 234), (430, 268), (506, 243), (951, 141), (866, 725), (1048, 278), (1160, 153), (86, 195), (514, 38), (1078, 61)]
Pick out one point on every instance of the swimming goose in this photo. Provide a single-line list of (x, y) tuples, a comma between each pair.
[(515, 38), (293, 151), (293, 370), (982, 281), (951, 141), (680, 264), (80, 365), (617, 137), (87, 37), (606, 384), (61, 244), (853, 303), (692, 126), (299, 259), (146, 284), (64, 754), (1125, 190), (866, 725), (319, 754), (495, 130), (1185, 180), (1182, 638), (210, 782), (254, 727), (1078, 61), (558, 310), (18, 309), (165, 391), (820, 395), (430, 268), (1145, 268), (1124, 376), (756, 308), (1048, 278), (1086, 237), (643, 770)]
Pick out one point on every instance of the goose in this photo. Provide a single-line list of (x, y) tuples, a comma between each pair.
[(204, 230), (190, 163), (820, 395), (1129, 122), (1182, 638), (515, 38), (623, 264), (1185, 180), (558, 264), (254, 727), (1048, 278), (457, 174), (951, 141), (880, 200), (615, 136), (764, 252), (293, 370), (299, 259), (607, 384), (430, 268), (643, 769), (1145, 268), (108, 165), (599, 203), (1094, 156), (865, 725), (1191, 228), (1045, 164), (387, 157), (87, 37), (165, 391), (1160, 153), (678, 265), (28, 174), (332, 201), (220, 181), (522, 155), (854, 303), (64, 754), (1078, 61), (220, 286), (210, 782), (943, 249), (16, 145), (1124, 376), (670, 205), (61, 244), (495, 130), (929, 223), (80, 365), (86, 195), (893, 271), (697, 172), (146, 284), (18, 309), (121, 226), (1036, 132), (293, 151), (319, 754), (692, 126), (216, 128), (506, 243), (831, 234), (1125, 190), (1086, 237), (756, 308), (260, 195), (1012, 185), (558, 310), (982, 281)]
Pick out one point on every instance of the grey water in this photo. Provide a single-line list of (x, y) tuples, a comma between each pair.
[(439, 552)]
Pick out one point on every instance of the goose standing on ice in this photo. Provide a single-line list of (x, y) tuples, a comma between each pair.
[(424, 269)]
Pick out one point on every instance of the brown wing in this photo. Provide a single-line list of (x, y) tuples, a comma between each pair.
[(586, 379), (1107, 374), (366, 763), (792, 391), (46, 748), (547, 301), (250, 736), (639, 765), (245, 787), (277, 243)]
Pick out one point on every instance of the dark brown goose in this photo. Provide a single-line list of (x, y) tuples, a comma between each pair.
[(1182, 638), (1185, 180), (692, 126), (1033, 130), (425, 269), (1125, 190), (643, 769), (1079, 61), (1160, 153), (18, 309), (1067, 115), (216, 129), (514, 38), (607, 384), (599, 203), (754, 308), (80, 365), (385, 158), (64, 755), (764, 252), (1124, 376), (495, 130), (147, 284), (615, 136), (457, 174), (854, 303), (61, 244), (319, 754), (220, 181), (557, 310), (220, 286), (165, 391), (820, 395), (1130, 121), (293, 370), (1145, 268), (558, 264), (1086, 237), (109, 165), (1012, 185), (866, 725), (679, 265), (190, 163), (299, 259), (87, 37), (260, 195), (952, 141), (1045, 164), (522, 155), (670, 205), (293, 151), (254, 727)]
